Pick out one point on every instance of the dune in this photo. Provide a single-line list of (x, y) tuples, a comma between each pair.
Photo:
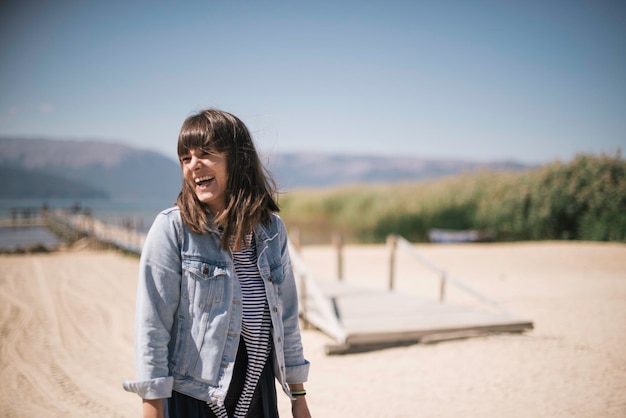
[(67, 335)]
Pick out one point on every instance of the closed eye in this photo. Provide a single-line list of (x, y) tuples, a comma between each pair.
[(204, 153)]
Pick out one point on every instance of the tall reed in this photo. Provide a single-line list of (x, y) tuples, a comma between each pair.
[(582, 199)]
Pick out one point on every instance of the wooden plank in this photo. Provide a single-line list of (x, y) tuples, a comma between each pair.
[(372, 317)]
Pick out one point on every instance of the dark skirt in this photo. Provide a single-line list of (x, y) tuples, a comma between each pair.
[(263, 405)]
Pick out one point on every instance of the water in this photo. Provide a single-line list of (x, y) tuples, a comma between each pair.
[(138, 214), (25, 237)]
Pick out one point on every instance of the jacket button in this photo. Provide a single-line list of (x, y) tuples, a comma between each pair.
[(205, 269), (270, 280), (275, 309)]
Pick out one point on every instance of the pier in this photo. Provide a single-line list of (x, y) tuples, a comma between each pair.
[(25, 216), (74, 223)]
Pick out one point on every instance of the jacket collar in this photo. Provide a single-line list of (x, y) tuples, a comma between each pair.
[(262, 231)]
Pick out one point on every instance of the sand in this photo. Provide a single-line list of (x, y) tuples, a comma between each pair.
[(67, 324)]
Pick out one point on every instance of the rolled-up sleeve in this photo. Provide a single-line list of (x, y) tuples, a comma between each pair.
[(158, 292), (152, 389)]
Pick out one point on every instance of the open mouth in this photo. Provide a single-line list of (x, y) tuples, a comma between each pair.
[(203, 181)]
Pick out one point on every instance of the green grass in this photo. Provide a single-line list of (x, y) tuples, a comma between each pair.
[(583, 199)]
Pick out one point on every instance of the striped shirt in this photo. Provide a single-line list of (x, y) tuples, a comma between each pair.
[(256, 324)]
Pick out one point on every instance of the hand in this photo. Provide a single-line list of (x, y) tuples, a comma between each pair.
[(299, 408), (153, 408)]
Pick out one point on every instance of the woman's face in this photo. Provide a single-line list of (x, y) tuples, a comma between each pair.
[(206, 174)]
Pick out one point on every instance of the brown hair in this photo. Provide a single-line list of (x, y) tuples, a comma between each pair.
[(250, 190)]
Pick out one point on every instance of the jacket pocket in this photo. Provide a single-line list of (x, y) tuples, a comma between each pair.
[(202, 300), (203, 284)]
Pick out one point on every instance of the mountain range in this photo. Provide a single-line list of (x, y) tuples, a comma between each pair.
[(44, 168), (92, 169), (295, 170)]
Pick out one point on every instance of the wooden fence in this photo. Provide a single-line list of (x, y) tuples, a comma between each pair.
[(79, 225)]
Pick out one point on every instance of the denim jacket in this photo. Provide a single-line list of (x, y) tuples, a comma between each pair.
[(188, 318)]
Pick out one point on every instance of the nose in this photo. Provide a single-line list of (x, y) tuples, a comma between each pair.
[(195, 162)]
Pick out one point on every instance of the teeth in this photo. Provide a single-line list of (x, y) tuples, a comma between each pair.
[(206, 178)]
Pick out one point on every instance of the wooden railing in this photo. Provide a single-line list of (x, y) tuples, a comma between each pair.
[(31, 216), (84, 225), (397, 242), (315, 307)]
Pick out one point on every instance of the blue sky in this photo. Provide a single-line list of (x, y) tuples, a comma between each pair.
[(531, 81)]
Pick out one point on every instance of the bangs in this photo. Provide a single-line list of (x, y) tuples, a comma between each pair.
[(195, 134), (198, 132)]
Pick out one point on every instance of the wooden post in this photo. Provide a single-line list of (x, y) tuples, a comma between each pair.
[(303, 302), (442, 288), (338, 244), (296, 238), (91, 232), (392, 245)]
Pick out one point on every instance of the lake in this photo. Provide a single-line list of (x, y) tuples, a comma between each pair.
[(138, 213), (12, 238)]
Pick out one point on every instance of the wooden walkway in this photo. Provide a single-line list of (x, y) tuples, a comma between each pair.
[(361, 318), (357, 318), (74, 223)]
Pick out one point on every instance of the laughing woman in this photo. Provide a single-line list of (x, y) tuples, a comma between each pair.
[(217, 310)]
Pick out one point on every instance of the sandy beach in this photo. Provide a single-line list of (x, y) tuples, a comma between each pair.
[(67, 336)]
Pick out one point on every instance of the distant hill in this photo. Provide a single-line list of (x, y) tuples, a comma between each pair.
[(70, 168), (315, 169), (118, 171), (20, 183)]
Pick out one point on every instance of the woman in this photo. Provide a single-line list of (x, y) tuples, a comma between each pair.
[(217, 310)]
